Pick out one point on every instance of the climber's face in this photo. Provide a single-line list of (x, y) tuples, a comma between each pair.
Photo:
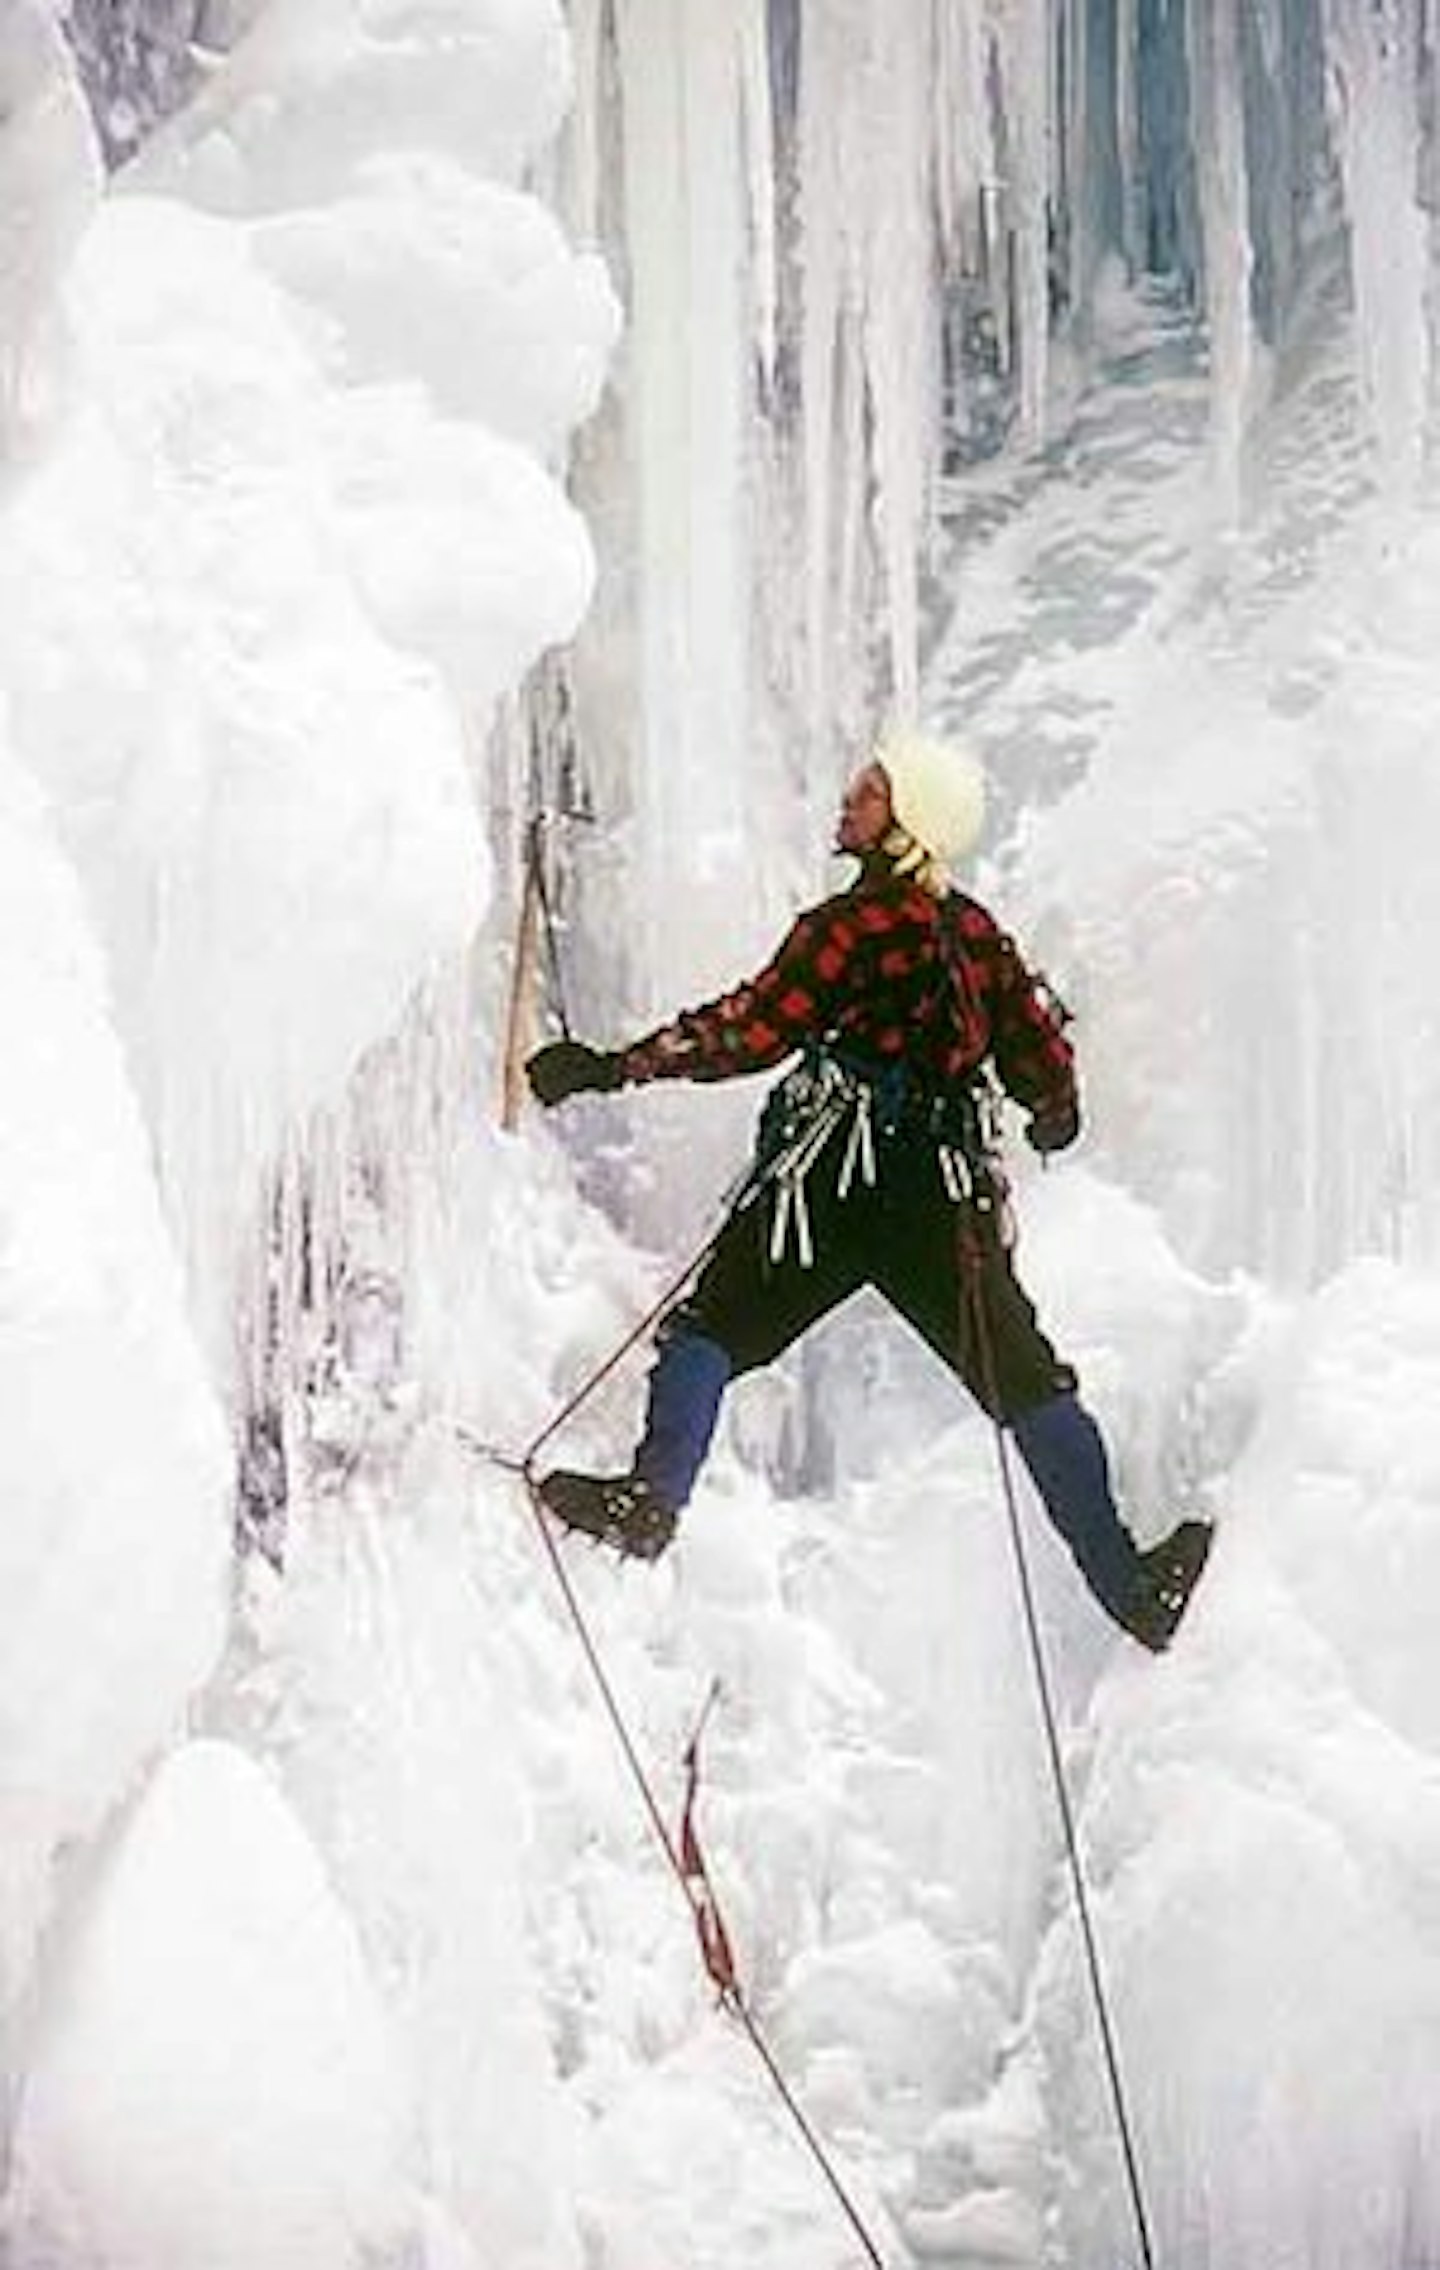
[(866, 816)]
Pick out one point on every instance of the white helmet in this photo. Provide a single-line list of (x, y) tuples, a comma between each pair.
[(937, 790)]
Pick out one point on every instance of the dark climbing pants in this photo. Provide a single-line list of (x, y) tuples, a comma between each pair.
[(941, 1265)]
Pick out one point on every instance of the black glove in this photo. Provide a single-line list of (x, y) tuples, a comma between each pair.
[(568, 1068), (1053, 1130)]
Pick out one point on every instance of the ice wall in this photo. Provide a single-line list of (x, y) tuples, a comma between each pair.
[(139, 60), (265, 584), (900, 215), (115, 1450), (114, 1447)]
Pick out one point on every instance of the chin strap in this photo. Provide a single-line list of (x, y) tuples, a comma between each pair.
[(908, 857)]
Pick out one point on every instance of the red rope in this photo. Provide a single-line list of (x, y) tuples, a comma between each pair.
[(684, 1855), (596, 1379), (716, 1951), (687, 1865)]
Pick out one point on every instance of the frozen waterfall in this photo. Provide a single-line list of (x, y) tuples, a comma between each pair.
[(424, 418)]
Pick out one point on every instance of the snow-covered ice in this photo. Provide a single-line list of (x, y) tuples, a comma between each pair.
[(217, 2084), (113, 1451)]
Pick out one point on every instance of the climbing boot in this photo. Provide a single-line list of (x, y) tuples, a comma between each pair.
[(1168, 1574), (619, 1510)]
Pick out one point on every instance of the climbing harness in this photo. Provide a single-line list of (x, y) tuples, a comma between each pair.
[(829, 1088), (972, 1257), (812, 1103)]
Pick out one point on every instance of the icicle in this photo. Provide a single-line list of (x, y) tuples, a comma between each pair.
[(689, 335), (1218, 133), (870, 330), (960, 130), (822, 76), (586, 47), (758, 121), (1373, 49), (1026, 97), (901, 350), (1127, 132)]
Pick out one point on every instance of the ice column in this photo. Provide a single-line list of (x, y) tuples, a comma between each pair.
[(880, 162), (685, 376), (1373, 49), (1218, 133), (1026, 95)]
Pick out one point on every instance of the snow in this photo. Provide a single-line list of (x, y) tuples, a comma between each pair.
[(219, 2087), (49, 185), (1285, 1756), (507, 324), (209, 543), (316, 86), (330, 1929)]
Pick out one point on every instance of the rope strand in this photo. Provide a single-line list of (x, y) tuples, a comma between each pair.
[(596, 1379), (972, 1266), (694, 1889), (732, 1999)]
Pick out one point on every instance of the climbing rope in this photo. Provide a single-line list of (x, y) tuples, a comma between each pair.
[(687, 1865), (716, 1950), (596, 1379), (683, 1855), (693, 1880), (972, 1272)]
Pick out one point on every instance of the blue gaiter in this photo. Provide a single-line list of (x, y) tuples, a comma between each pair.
[(686, 1386)]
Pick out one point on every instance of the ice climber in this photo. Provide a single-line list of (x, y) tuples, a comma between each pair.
[(874, 1166)]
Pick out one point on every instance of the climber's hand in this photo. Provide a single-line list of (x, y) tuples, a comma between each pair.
[(568, 1068), (1053, 1130)]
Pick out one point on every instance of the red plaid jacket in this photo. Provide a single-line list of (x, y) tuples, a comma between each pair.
[(868, 969)]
